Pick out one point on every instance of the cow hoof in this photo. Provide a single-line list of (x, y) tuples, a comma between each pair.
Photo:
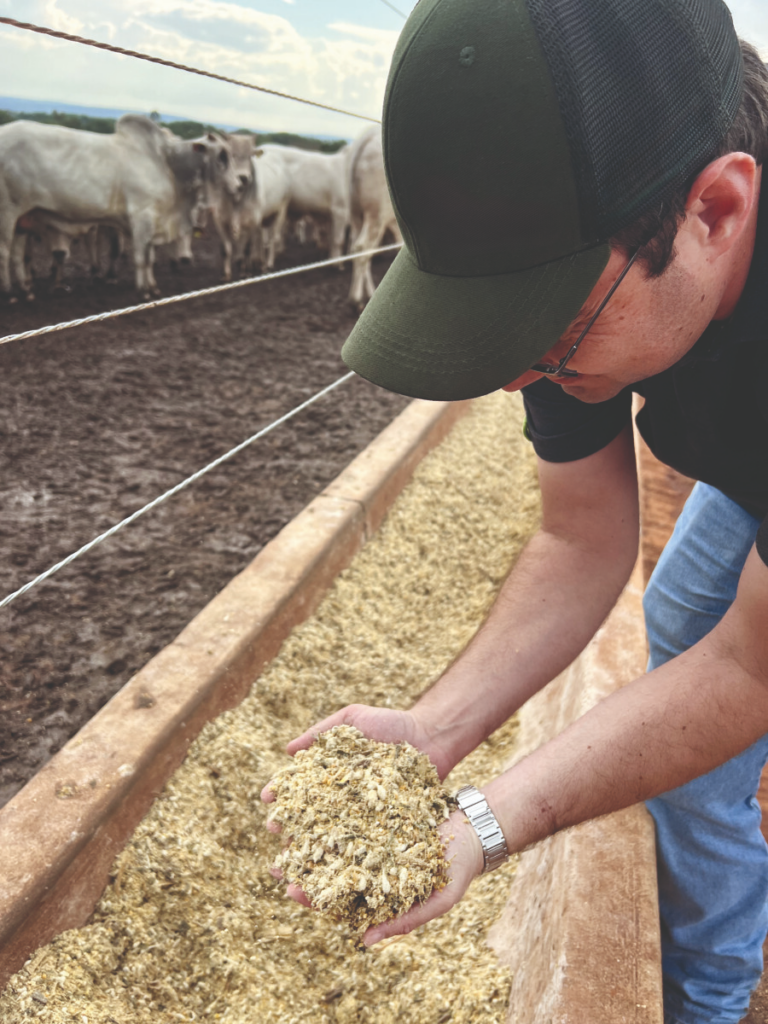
[(186, 261), (29, 296)]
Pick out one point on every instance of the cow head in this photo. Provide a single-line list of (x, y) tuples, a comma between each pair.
[(226, 169), (243, 148)]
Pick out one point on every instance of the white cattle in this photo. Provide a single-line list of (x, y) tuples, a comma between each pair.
[(56, 235), (265, 210), (319, 186), (370, 208), (141, 179), (228, 209)]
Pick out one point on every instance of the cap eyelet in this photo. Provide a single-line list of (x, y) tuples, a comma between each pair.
[(467, 56)]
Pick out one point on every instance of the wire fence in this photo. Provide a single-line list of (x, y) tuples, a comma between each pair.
[(168, 300), (173, 490), (393, 8), (57, 34), (200, 293)]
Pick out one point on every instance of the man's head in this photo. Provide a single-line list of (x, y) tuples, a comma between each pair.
[(523, 140), (653, 319)]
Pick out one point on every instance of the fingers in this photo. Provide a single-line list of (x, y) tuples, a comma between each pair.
[(305, 741), (298, 894), (307, 738), (464, 854), (268, 794), (347, 716), (418, 915)]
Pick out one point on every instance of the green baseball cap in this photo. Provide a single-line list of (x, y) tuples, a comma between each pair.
[(519, 136)]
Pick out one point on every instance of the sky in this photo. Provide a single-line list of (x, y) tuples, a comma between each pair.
[(332, 51)]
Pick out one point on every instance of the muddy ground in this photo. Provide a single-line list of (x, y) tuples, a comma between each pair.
[(97, 421)]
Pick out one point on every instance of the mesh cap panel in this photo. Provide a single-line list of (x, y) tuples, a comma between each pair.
[(647, 90)]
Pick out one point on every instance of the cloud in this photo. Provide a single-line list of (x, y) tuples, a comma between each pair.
[(55, 18), (343, 65), (379, 37)]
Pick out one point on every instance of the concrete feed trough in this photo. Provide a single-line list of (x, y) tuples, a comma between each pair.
[(580, 928)]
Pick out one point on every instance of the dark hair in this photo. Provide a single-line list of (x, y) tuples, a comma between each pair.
[(654, 233)]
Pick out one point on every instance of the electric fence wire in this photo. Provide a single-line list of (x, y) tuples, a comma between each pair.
[(57, 34), (393, 8), (170, 299), (173, 490)]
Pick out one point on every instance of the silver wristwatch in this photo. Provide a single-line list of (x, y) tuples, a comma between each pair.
[(483, 821)]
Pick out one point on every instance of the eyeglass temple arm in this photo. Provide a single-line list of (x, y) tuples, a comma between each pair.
[(600, 308)]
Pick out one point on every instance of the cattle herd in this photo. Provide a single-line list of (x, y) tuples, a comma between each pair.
[(143, 186)]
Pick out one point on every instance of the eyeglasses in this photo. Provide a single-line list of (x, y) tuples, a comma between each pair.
[(560, 369)]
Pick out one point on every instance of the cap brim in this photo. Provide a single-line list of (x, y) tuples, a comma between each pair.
[(449, 338)]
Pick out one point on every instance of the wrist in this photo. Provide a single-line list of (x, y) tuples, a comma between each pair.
[(459, 833), (429, 741), (477, 811), (524, 808)]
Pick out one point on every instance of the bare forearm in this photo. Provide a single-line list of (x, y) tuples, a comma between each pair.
[(664, 729), (548, 610), (561, 589)]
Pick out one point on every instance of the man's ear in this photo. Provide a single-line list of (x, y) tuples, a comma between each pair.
[(721, 200)]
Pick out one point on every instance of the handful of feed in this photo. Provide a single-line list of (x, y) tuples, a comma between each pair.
[(362, 817)]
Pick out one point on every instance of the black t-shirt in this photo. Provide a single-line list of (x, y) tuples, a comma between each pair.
[(706, 416)]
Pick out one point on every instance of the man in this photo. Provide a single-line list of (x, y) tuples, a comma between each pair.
[(545, 156)]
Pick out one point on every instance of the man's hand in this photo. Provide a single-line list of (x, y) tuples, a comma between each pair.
[(465, 862), (382, 724)]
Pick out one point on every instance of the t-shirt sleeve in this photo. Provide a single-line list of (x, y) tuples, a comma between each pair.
[(563, 429), (761, 541)]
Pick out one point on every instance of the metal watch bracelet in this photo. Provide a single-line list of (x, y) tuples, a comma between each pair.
[(483, 821)]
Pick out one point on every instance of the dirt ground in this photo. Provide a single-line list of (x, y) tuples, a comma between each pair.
[(97, 421)]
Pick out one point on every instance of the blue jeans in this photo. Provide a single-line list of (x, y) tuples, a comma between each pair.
[(712, 859)]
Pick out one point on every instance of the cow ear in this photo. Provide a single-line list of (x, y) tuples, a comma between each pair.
[(199, 147), (211, 137), (258, 152)]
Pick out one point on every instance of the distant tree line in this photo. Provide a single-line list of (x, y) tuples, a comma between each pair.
[(184, 129)]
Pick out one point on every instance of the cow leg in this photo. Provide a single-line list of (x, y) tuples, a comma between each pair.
[(57, 269), (8, 217), (361, 266), (339, 221), (20, 262), (267, 246), (182, 251), (142, 255), (92, 246), (151, 270), (226, 255), (115, 252), (278, 231), (249, 249), (369, 237), (269, 238)]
